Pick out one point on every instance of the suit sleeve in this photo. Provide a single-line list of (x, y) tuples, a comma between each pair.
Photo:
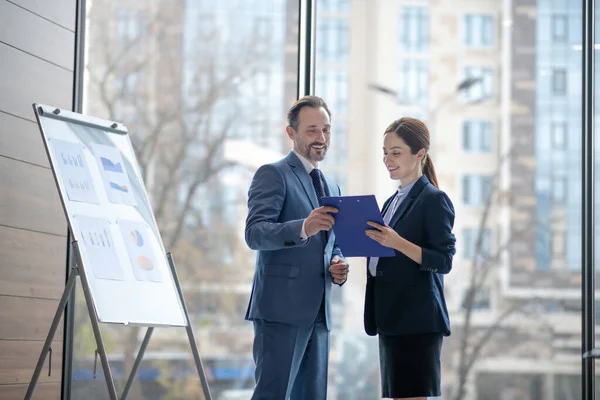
[(440, 248), (266, 197), (336, 249)]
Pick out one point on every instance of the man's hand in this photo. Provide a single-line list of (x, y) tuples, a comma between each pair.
[(339, 270), (319, 220)]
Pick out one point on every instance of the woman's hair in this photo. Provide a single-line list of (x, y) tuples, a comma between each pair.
[(416, 136)]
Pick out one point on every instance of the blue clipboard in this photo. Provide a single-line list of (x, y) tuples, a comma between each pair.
[(351, 223)]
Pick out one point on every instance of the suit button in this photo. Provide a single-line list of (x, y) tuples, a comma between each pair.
[(379, 273)]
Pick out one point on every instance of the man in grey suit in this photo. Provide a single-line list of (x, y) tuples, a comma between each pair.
[(297, 262)]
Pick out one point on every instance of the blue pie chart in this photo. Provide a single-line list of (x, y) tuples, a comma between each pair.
[(137, 238)]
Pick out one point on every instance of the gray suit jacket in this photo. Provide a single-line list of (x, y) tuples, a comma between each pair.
[(290, 275)]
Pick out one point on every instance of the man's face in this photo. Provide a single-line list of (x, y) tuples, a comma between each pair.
[(311, 139)]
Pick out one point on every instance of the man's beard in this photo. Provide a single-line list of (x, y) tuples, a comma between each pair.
[(317, 154)]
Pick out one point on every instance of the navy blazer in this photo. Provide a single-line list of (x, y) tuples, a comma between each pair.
[(405, 297), (291, 276)]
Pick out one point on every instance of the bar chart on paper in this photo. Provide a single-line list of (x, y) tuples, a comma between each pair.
[(74, 172), (116, 180), (99, 245)]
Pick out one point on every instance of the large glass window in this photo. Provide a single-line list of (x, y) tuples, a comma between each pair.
[(204, 97), (203, 87), (515, 114)]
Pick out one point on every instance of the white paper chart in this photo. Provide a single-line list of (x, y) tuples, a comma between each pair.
[(116, 181), (74, 171), (106, 204), (140, 247), (100, 248)]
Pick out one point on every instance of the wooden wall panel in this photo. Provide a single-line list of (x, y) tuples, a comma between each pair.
[(18, 360), (21, 140), (37, 263), (37, 49), (29, 198), (43, 391), (39, 37), (26, 80), (61, 12), (26, 318)]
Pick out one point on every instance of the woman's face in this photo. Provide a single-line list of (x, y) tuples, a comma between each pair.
[(401, 164)]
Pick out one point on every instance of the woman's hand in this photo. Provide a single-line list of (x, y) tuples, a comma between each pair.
[(384, 235)]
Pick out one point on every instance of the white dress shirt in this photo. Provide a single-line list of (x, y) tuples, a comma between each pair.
[(401, 194)]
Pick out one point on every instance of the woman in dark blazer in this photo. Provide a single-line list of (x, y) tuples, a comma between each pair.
[(404, 301)]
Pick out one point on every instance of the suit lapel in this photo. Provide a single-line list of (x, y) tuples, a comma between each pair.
[(331, 189), (296, 165), (410, 198), (386, 205)]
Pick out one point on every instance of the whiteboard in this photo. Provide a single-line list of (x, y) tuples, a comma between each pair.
[(109, 215)]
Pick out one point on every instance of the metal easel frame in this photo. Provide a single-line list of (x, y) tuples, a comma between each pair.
[(101, 350)]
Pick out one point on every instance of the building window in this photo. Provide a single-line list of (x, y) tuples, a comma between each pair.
[(559, 81), (339, 6), (127, 82), (559, 190), (130, 26), (262, 39), (261, 83), (470, 246), (478, 30), (559, 240), (560, 31), (414, 29), (559, 135), (332, 85), (206, 26), (484, 88), (413, 81), (476, 189), (543, 246), (477, 136), (332, 40)]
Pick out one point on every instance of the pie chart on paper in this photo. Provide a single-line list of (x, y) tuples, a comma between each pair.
[(141, 250), (137, 238), (145, 263)]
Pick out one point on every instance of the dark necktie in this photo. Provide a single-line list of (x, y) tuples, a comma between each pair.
[(317, 179)]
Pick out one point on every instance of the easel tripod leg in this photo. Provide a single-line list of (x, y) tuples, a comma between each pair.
[(190, 331), (59, 312), (198, 362), (136, 364), (112, 392)]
